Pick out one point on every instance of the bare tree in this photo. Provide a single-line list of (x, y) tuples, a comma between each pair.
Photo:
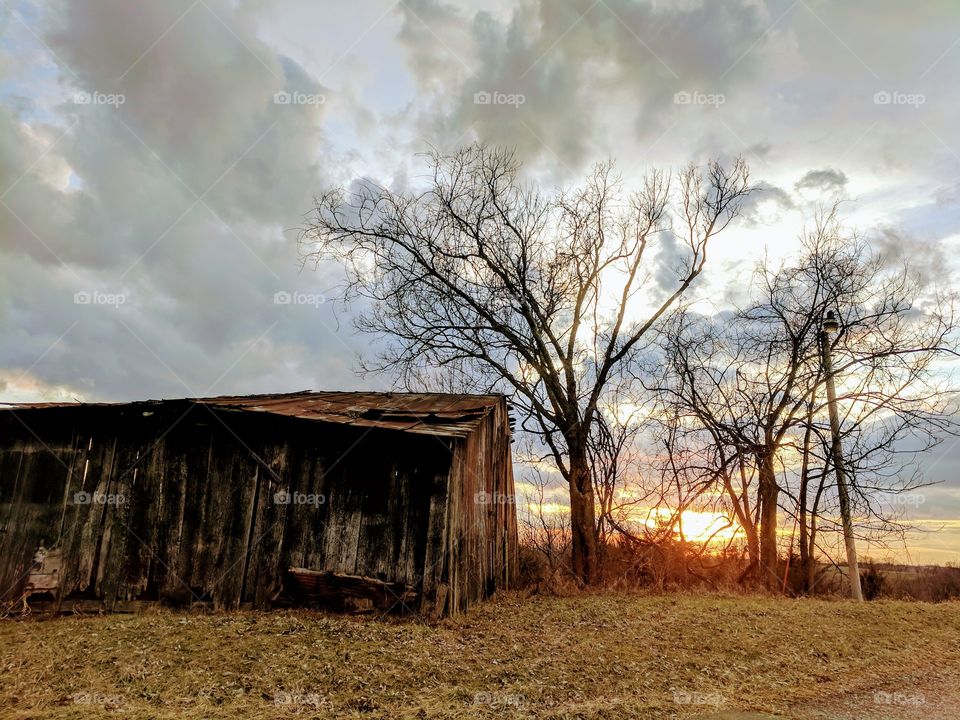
[(614, 456), (541, 528), (749, 388), (545, 296)]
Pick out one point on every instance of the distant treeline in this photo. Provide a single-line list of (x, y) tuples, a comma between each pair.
[(683, 566)]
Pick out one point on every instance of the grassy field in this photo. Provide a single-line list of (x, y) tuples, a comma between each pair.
[(596, 656)]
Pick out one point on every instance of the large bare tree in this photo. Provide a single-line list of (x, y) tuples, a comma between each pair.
[(547, 296), (749, 387)]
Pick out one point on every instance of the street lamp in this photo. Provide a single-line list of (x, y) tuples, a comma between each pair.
[(830, 326), (830, 323)]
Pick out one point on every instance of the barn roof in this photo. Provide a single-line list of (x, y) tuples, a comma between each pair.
[(424, 413)]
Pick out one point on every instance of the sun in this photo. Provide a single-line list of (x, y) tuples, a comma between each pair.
[(698, 526)]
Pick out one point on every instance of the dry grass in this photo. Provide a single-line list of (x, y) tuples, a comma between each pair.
[(597, 656)]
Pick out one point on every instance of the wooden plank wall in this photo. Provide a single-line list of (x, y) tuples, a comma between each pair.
[(199, 517), (481, 543)]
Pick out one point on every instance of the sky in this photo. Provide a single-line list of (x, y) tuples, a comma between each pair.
[(157, 159)]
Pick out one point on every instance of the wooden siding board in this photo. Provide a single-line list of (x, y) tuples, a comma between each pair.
[(83, 544), (341, 532), (233, 474), (413, 544), (166, 578), (266, 541), (120, 576), (199, 561), (437, 554), (14, 546), (304, 524)]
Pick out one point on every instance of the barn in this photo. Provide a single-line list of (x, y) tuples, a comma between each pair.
[(359, 500)]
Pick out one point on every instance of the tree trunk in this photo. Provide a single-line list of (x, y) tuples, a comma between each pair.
[(753, 554), (744, 513), (582, 519), (769, 521), (753, 544), (806, 556)]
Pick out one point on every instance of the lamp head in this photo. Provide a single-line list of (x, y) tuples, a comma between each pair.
[(830, 323)]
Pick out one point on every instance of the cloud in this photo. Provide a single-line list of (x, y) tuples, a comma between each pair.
[(183, 197), (585, 72), (898, 247), (786, 85), (827, 181), (171, 185), (767, 204)]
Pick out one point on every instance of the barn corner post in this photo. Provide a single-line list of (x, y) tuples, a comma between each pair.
[(503, 551), (511, 535)]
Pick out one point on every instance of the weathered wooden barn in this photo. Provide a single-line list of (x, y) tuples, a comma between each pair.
[(387, 500)]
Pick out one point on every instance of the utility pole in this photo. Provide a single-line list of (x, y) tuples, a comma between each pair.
[(830, 325)]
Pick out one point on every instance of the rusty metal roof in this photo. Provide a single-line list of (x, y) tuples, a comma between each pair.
[(424, 413)]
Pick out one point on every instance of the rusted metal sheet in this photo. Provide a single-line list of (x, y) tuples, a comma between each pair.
[(424, 413)]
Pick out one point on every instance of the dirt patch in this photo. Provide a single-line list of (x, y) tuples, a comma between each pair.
[(933, 694)]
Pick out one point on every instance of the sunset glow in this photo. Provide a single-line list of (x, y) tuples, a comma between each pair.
[(697, 526)]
